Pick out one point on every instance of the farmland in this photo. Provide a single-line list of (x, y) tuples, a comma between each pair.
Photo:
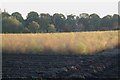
[(61, 55), (42, 40), (60, 43), (101, 65)]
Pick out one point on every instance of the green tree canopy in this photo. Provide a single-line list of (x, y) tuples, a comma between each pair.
[(84, 15), (106, 22), (45, 20), (33, 26), (32, 16), (94, 22), (115, 21), (59, 21), (5, 14), (51, 28), (11, 25), (18, 16)]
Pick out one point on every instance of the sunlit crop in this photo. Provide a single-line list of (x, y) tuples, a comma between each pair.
[(60, 43)]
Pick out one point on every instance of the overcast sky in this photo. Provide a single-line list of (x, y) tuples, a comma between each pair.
[(66, 7)]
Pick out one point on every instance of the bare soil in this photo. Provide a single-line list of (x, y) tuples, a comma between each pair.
[(100, 65)]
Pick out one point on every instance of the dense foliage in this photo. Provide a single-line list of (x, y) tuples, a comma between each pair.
[(43, 23)]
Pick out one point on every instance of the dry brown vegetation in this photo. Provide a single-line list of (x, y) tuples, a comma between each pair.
[(60, 43)]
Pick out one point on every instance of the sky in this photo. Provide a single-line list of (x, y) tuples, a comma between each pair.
[(66, 7)]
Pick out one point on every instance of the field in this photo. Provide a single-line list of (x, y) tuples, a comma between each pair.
[(60, 43), (102, 65), (61, 55)]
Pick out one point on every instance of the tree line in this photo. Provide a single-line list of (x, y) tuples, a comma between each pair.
[(46, 23)]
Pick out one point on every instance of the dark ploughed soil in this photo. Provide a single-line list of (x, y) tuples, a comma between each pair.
[(101, 65)]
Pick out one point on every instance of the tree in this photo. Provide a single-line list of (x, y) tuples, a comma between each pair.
[(70, 23), (84, 15), (106, 22), (5, 14), (26, 30), (32, 16), (11, 25), (94, 22), (68, 27), (33, 27), (83, 21), (45, 21), (115, 22), (59, 21), (51, 28), (18, 16)]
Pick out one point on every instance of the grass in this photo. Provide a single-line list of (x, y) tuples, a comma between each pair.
[(60, 43)]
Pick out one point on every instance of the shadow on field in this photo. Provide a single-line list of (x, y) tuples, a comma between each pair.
[(101, 65)]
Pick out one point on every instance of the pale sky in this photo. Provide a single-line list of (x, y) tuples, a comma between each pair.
[(66, 7)]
